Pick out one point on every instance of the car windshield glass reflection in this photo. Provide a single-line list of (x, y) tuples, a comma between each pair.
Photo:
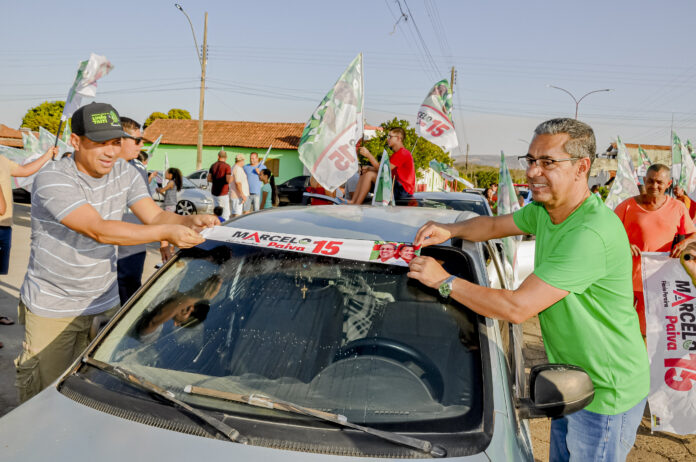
[(354, 338)]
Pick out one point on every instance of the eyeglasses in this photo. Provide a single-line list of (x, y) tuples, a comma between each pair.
[(545, 163), (137, 139)]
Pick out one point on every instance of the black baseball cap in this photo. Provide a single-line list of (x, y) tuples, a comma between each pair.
[(97, 121)]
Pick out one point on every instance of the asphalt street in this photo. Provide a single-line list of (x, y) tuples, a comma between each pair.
[(648, 447)]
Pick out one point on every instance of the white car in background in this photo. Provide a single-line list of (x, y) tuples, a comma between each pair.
[(190, 200), (199, 178)]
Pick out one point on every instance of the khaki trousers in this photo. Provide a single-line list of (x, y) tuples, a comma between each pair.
[(50, 346)]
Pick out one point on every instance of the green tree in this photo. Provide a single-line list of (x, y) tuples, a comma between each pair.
[(179, 114), (423, 152), (46, 115), (154, 116)]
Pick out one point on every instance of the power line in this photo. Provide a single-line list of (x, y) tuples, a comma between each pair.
[(422, 41)]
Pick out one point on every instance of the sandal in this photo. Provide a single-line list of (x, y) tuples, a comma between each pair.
[(4, 320)]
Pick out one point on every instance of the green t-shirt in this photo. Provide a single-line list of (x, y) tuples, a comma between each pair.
[(595, 326)]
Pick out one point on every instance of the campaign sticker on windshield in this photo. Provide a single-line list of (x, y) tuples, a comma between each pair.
[(386, 252)]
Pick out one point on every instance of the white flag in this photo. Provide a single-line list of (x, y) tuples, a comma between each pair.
[(327, 144), (85, 83), (434, 121), (625, 184)]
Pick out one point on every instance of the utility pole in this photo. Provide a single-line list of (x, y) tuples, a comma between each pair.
[(452, 80), (204, 62), (466, 162)]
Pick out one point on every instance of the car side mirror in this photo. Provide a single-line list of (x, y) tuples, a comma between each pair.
[(556, 390)]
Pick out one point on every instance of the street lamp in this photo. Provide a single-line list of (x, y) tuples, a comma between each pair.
[(577, 101), (203, 59)]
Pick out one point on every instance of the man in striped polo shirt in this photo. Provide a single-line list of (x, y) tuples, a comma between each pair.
[(76, 211)]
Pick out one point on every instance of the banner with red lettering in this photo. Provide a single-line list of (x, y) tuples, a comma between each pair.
[(670, 315), (387, 252)]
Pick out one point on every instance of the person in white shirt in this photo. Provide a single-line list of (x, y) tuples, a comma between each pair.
[(239, 186)]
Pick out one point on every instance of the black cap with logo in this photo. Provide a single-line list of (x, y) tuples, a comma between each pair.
[(97, 121)]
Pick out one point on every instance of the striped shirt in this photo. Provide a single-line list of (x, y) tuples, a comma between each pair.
[(70, 274)]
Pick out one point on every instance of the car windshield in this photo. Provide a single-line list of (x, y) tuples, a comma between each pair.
[(355, 338)]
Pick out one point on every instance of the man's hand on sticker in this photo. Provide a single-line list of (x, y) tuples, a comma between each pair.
[(688, 261), (432, 233), (428, 271)]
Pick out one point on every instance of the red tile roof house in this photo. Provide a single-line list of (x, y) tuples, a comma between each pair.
[(10, 137), (180, 139)]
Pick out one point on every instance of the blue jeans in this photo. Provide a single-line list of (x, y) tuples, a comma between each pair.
[(5, 244), (587, 436)]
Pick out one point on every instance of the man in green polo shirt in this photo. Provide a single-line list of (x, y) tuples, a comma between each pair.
[(581, 289)]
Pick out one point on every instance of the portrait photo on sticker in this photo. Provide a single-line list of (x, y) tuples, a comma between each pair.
[(393, 253)]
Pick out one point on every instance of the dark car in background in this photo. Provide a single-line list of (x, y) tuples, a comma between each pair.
[(290, 192), (461, 201)]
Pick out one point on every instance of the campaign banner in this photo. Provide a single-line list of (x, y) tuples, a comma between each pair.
[(434, 118), (386, 252), (85, 84), (328, 141), (670, 315)]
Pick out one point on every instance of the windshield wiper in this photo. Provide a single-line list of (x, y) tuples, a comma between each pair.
[(117, 371), (271, 403)]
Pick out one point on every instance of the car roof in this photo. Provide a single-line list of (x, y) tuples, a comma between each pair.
[(347, 221), (455, 196)]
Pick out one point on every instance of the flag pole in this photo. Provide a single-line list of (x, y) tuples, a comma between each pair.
[(60, 125)]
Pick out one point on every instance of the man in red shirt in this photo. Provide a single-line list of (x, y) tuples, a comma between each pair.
[(219, 176), (402, 168), (652, 219)]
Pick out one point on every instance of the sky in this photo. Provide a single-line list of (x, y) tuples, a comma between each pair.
[(273, 61)]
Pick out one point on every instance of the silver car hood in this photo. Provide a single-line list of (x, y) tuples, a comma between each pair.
[(51, 426)]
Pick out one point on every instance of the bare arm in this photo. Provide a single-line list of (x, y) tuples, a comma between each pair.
[(87, 221), (33, 167), (367, 154), (149, 213), (167, 187), (239, 188), (263, 199), (516, 306), (475, 229)]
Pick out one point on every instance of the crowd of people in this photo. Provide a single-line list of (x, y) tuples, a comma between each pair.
[(92, 213), (241, 188)]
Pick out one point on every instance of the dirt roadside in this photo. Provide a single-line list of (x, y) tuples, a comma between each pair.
[(649, 447)]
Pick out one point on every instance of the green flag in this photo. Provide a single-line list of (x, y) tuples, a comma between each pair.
[(151, 149), (676, 158), (383, 184)]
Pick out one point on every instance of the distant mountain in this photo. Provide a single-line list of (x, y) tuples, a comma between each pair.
[(492, 161)]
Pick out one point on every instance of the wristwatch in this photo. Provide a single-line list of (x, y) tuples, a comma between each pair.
[(445, 288)]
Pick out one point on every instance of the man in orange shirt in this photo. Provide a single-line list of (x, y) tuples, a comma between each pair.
[(652, 220)]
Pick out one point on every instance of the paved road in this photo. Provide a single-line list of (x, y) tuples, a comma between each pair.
[(649, 447)]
